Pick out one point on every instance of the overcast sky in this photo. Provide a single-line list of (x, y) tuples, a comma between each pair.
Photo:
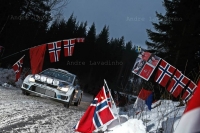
[(128, 18)]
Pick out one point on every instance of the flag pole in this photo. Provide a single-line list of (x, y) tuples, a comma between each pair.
[(19, 59), (15, 53), (112, 100), (21, 51)]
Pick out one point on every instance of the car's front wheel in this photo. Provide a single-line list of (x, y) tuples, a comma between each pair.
[(25, 93), (67, 104)]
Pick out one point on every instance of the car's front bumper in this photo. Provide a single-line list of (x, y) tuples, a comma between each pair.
[(46, 91)]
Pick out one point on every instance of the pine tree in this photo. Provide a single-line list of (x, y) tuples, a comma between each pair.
[(23, 25), (177, 34)]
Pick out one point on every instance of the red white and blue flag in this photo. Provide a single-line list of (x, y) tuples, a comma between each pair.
[(190, 119), (177, 84), (54, 51), (17, 67), (189, 91), (97, 114), (144, 98), (164, 73), (69, 47)]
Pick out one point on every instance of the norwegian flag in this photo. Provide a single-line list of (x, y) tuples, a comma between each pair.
[(190, 119), (177, 84), (97, 114), (80, 39), (189, 91), (69, 47), (54, 51), (17, 67), (164, 73)]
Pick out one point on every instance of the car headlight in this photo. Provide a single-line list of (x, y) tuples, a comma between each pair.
[(31, 79), (49, 80), (65, 89), (37, 77), (43, 79), (55, 82)]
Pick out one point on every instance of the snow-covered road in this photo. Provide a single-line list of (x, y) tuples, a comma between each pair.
[(33, 114)]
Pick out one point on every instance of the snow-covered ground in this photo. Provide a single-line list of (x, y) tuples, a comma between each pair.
[(30, 114), (20, 113)]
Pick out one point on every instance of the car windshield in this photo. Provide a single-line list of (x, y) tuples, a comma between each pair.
[(59, 75)]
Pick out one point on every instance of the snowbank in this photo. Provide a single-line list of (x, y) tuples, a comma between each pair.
[(131, 126), (163, 118), (7, 78)]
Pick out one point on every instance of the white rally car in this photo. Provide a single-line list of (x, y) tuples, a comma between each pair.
[(57, 84)]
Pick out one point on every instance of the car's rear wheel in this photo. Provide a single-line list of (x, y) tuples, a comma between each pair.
[(80, 100), (77, 103)]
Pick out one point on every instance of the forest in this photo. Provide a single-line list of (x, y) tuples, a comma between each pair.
[(175, 38), (28, 23)]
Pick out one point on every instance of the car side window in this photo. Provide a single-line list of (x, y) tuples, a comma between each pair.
[(76, 84)]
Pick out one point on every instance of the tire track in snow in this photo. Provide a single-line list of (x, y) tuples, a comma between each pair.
[(22, 114)]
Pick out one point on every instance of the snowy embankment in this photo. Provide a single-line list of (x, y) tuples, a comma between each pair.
[(7, 76), (22, 114), (161, 119)]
